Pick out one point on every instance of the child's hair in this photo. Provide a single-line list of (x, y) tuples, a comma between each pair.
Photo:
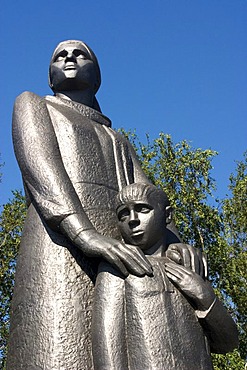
[(142, 192)]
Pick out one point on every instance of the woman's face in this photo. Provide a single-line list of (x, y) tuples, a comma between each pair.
[(72, 69)]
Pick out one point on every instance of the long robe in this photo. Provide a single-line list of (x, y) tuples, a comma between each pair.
[(73, 164)]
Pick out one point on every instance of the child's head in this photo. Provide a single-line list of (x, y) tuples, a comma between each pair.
[(143, 212)]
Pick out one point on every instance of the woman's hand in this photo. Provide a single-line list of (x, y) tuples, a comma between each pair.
[(188, 256), (124, 257)]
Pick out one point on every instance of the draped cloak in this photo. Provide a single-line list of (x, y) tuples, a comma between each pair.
[(72, 164)]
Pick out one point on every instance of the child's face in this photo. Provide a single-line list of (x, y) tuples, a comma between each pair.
[(141, 223)]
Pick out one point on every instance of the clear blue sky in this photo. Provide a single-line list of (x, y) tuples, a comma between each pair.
[(177, 66)]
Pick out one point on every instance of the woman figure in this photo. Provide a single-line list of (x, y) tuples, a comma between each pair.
[(73, 164)]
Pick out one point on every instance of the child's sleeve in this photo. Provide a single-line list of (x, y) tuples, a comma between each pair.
[(219, 328)]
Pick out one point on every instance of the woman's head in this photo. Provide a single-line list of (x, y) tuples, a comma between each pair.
[(70, 51)]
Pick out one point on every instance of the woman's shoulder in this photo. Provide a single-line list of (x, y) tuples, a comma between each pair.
[(28, 103), (26, 100), (28, 96)]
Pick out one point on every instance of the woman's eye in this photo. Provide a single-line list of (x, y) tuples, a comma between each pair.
[(59, 58), (81, 56)]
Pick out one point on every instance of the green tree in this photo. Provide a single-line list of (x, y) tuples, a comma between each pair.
[(235, 222), (11, 222)]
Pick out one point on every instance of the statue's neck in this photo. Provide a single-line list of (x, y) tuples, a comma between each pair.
[(158, 249), (85, 97)]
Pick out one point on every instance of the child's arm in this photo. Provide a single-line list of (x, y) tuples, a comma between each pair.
[(218, 325), (194, 287)]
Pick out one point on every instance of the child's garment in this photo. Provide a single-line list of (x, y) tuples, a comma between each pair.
[(146, 323)]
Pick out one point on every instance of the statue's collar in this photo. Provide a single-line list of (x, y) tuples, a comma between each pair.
[(81, 108)]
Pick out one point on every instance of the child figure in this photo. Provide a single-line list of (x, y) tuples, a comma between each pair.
[(169, 321)]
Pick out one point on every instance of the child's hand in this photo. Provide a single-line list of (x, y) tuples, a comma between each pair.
[(192, 285), (188, 256)]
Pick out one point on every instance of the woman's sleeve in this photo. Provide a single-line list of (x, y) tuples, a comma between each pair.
[(45, 178)]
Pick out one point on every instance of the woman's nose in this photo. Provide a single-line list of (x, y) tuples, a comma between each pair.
[(70, 56)]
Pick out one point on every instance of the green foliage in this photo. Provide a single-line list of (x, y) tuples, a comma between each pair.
[(235, 221), (11, 222), (230, 361)]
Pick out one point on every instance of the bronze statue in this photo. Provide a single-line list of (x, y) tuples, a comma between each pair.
[(73, 166), (171, 320)]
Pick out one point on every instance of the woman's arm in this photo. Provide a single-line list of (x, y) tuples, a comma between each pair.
[(46, 180), (50, 189)]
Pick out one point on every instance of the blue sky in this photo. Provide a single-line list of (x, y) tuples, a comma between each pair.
[(177, 66)]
